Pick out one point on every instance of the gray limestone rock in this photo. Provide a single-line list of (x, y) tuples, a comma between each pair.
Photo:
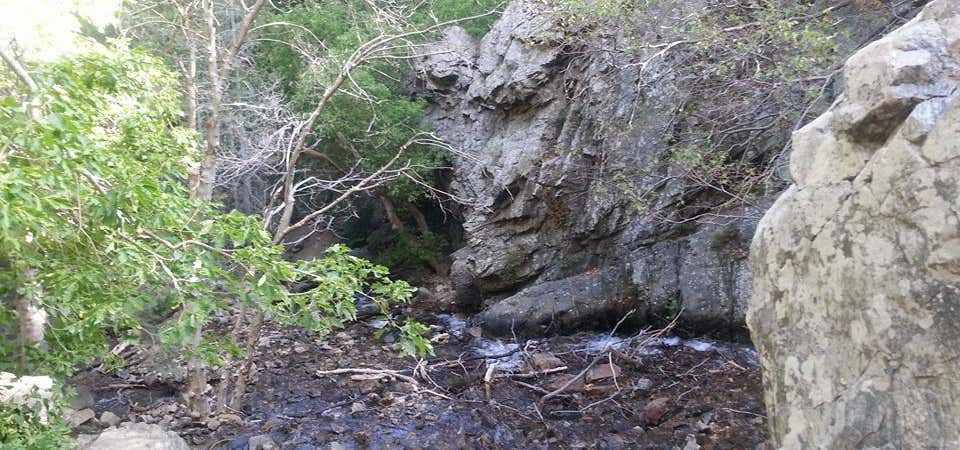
[(856, 289), (135, 436), (556, 142)]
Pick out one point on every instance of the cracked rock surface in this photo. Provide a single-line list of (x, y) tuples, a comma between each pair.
[(856, 289), (555, 145)]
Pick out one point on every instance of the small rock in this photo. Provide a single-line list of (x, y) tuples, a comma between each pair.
[(137, 436), (151, 378), (169, 408), (357, 407), (337, 446), (440, 339), (109, 419), (83, 441), (545, 361), (599, 390), (77, 418), (300, 349), (643, 384), (214, 424), (603, 372), (230, 418), (342, 336), (83, 399), (261, 442), (475, 332), (274, 424), (561, 380), (405, 387), (181, 422), (369, 386), (691, 443), (705, 422), (615, 442), (655, 410)]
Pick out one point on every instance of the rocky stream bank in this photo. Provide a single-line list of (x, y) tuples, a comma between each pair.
[(649, 390)]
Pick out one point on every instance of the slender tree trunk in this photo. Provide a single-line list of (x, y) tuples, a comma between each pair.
[(201, 188), (391, 211), (208, 165), (190, 102), (218, 70), (420, 219), (32, 319), (197, 378), (225, 373), (190, 78), (254, 330)]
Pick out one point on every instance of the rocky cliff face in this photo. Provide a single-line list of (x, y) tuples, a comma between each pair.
[(559, 143), (856, 306)]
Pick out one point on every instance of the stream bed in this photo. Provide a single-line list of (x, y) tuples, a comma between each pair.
[(587, 390)]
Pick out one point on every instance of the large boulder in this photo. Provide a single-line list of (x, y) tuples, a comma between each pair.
[(135, 436), (557, 305), (29, 391), (856, 289)]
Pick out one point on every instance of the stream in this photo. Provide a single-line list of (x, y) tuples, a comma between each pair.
[(627, 392)]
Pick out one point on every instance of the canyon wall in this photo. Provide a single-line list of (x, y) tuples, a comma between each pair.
[(573, 213)]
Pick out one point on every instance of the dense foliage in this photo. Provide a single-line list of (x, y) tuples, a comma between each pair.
[(92, 200), (99, 232), (376, 116), (368, 126), (38, 425)]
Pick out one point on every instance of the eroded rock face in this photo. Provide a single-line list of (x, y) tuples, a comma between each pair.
[(554, 148), (856, 305), (556, 144)]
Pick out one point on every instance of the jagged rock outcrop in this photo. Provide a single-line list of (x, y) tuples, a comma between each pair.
[(557, 145), (856, 305), (550, 139)]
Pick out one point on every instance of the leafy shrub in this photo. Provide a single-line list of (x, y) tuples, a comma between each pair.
[(93, 202), (409, 252), (37, 426)]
